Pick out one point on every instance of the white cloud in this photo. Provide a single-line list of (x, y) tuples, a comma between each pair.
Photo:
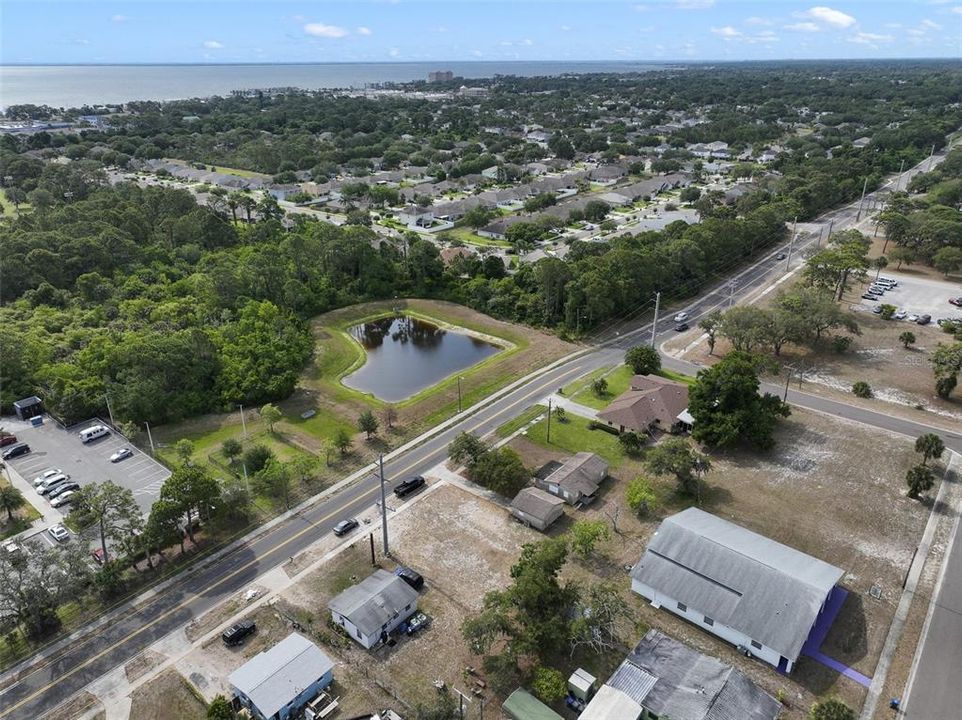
[(505, 43), (394, 52), (803, 27), (929, 25), (640, 8), (441, 29), (212, 45), (119, 18), (325, 31), (565, 28), (829, 16), (726, 32), (957, 10), (871, 39), (527, 41), (694, 4), (755, 20), (362, 30), (477, 53)]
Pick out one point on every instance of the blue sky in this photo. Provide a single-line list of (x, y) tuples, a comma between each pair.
[(226, 31)]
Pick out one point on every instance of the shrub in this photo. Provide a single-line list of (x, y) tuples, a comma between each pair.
[(599, 386), (888, 311), (841, 343), (640, 497), (548, 685), (256, 458), (831, 709), (907, 338), (862, 389)]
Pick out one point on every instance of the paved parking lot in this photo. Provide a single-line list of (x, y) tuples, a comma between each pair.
[(920, 296), (52, 446)]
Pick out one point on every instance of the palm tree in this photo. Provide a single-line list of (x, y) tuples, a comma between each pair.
[(11, 499)]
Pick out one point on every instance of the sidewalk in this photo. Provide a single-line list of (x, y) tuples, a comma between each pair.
[(572, 407), (905, 602), (49, 516)]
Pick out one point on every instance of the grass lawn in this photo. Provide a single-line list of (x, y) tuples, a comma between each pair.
[(22, 518), (575, 436), (9, 209), (618, 381), (520, 421), (238, 172), (467, 236)]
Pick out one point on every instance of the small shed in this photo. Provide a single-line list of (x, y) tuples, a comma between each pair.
[(537, 508), (581, 684), (522, 705), (28, 407)]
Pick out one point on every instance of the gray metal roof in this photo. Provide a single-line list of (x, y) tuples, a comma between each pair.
[(273, 678), (689, 685), (582, 472), (537, 503), (376, 600), (768, 591)]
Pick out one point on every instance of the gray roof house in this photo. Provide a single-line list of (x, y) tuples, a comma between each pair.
[(537, 508), (665, 678), (760, 595), (576, 481), (276, 683), (372, 609)]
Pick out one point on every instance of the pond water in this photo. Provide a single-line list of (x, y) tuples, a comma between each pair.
[(406, 355)]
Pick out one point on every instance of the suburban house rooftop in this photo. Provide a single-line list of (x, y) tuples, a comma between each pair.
[(274, 677), (670, 679), (374, 601), (768, 591)]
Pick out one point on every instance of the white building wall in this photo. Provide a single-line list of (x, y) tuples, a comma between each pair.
[(369, 641), (735, 637)]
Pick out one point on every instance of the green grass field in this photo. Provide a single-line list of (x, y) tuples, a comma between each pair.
[(468, 237), (619, 380), (9, 209), (574, 436)]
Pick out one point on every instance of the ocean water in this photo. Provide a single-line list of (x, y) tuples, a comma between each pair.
[(76, 85)]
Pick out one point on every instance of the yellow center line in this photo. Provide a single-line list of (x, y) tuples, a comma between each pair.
[(311, 526)]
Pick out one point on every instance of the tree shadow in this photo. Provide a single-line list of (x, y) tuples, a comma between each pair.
[(377, 444), (847, 639)]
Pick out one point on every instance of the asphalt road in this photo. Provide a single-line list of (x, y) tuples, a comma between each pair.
[(51, 682)]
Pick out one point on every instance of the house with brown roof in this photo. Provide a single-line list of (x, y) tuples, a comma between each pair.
[(650, 403), (450, 254), (537, 508), (576, 480)]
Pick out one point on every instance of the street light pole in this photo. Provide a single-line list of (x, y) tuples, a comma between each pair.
[(109, 411), (898, 180), (243, 420)]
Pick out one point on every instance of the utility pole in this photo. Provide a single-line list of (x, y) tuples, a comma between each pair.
[(548, 432), (931, 157), (459, 393), (731, 294), (109, 411), (387, 551), (791, 245), (654, 323), (247, 482), (898, 180), (787, 380), (149, 437), (861, 202), (243, 421)]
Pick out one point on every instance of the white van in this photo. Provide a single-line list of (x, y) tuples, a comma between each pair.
[(92, 433)]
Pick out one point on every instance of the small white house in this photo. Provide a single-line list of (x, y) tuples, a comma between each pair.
[(277, 683), (759, 595), (372, 609)]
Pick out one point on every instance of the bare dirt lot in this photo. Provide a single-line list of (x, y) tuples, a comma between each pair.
[(167, 697)]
